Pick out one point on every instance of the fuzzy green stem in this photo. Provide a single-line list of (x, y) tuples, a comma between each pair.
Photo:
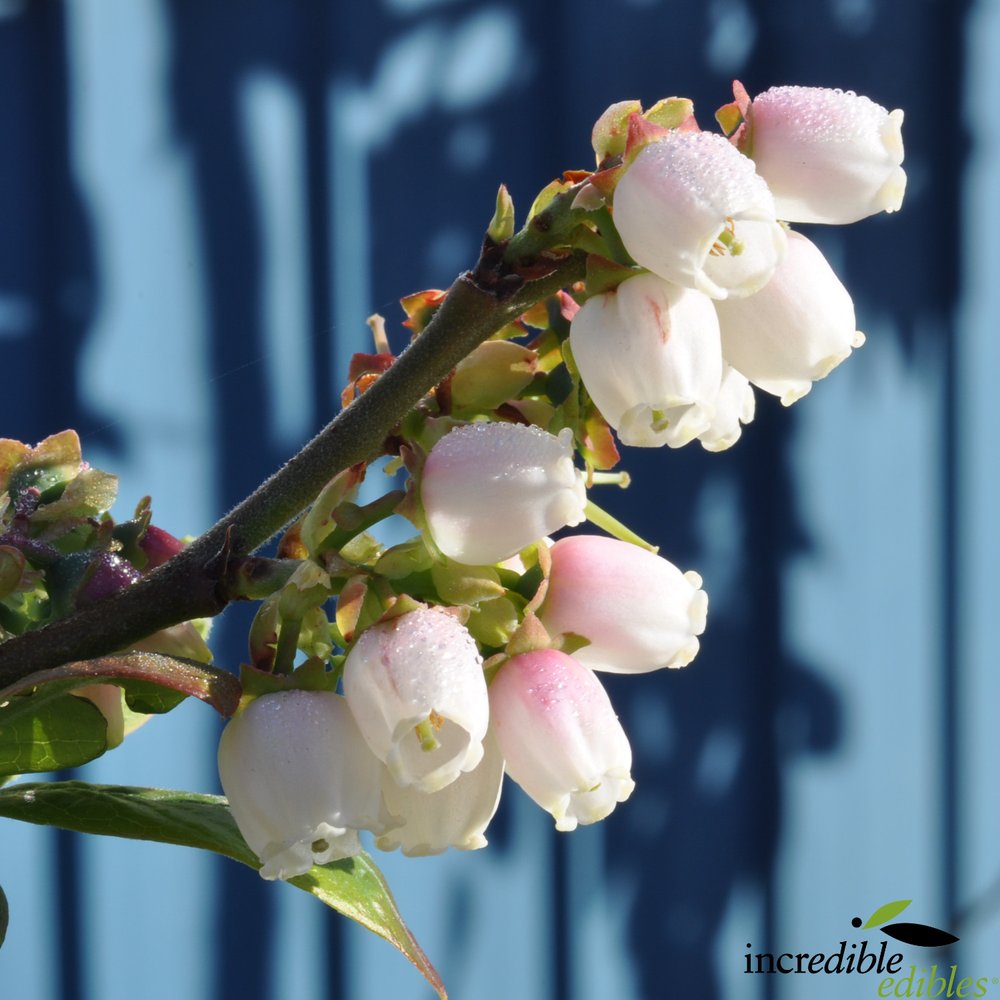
[(550, 228)]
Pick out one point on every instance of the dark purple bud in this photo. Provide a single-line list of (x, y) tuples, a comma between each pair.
[(109, 573)]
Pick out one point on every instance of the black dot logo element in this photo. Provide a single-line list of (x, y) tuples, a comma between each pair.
[(857, 922)]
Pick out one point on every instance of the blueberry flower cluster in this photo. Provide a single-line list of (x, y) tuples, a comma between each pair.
[(731, 296), (473, 650), (415, 748)]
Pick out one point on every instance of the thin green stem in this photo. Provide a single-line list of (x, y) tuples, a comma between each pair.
[(602, 519), (288, 641)]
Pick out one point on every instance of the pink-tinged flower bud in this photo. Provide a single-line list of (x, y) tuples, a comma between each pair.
[(456, 816), (488, 490), (692, 209), (734, 406), (650, 356), (560, 737), (415, 685), (827, 155), (638, 611), (795, 330), (300, 780)]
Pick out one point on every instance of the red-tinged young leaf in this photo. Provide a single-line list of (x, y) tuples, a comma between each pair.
[(672, 113), (364, 369), (62, 448), (611, 130), (547, 195), (354, 887), (641, 132), (420, 307), (537, 316), (349, 605), (598, 442), (729, 118), (606, 180), (732, 117), (11, 455), (217, 688), (48, 466)]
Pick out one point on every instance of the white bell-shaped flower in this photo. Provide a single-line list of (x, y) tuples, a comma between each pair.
[(416, 688), (827, 155), (300, 780), (650, 356), (560, 737), (456, 816), (734, 406), (692, 209), (490, 489), (637, 611), (796, 330)]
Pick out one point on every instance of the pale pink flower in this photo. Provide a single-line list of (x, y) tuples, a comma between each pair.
[(637, 611), (827, 155), (560, 737), (490, 489)]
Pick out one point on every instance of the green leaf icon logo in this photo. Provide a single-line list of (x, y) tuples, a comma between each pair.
[(885, 913)]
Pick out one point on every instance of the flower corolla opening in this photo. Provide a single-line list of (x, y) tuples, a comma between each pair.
[(735, 407), (416, 688), (300, 780), (692, 209), (456, 816)]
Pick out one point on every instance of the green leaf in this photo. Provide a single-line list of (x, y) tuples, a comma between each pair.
[(354, 887), (4, 916), (885, 913), (89, 493), (55, 733)]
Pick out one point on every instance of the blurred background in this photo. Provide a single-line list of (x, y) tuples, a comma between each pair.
[(201, 203)]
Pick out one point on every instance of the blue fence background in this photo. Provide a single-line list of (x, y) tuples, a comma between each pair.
[(201, 204)]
